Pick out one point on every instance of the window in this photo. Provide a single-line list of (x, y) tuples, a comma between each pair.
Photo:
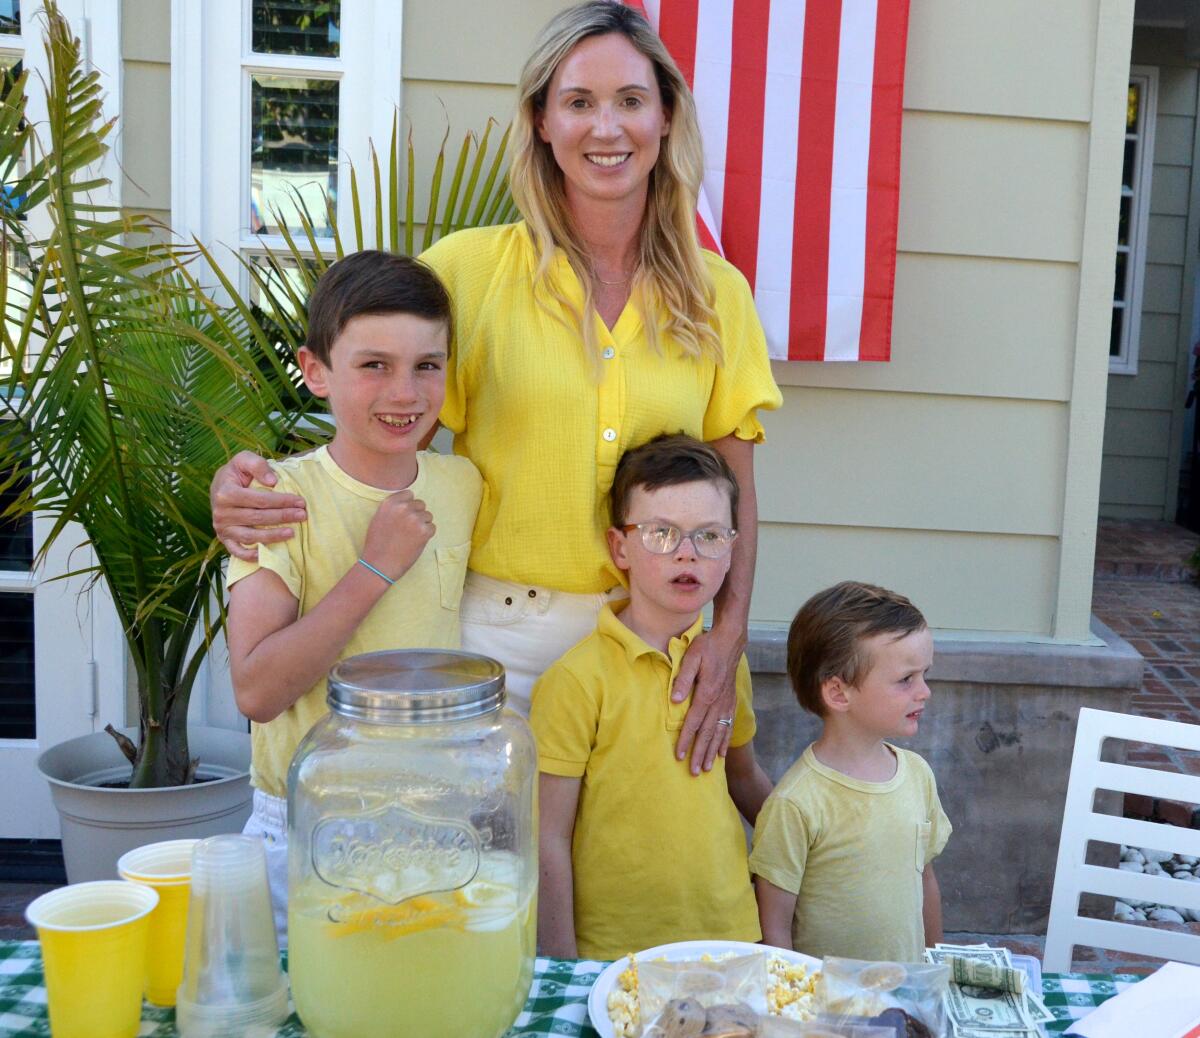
[(17, 710), (1133, 220), (270, 113)]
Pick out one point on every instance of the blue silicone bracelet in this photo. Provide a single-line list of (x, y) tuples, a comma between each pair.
[(384, 576)]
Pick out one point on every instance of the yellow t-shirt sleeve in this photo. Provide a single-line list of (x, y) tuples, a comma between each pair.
[(743, 384), (780, 850), (744, 724), (281, 558), (563, 717)]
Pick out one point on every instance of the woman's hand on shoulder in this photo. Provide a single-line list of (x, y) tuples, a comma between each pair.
[(240, 513), (707, 674)]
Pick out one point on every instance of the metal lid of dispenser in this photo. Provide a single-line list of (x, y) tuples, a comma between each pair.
[(416, 686)]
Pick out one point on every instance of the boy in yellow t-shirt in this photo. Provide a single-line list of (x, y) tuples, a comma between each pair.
[(368, 569), (634, 850), (843, 847)]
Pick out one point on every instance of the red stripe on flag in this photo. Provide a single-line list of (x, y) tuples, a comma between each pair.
[(677, 29), (883, 180), (743, 148), (814, 179)]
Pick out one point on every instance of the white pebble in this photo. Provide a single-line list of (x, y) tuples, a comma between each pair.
[(1123, 912), (1153, 868), (1166, 915), (1156, 856), (1132, 854), (1188, 876), (1131, 866), (1192, 915), (1187, 859), (1139, 917)]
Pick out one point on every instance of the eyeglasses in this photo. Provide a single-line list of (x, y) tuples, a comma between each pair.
[(659, 538)]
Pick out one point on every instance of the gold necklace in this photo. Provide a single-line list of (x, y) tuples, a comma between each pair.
[(611, 284)]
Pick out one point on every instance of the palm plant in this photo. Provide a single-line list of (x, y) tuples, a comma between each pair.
[(123, 385)]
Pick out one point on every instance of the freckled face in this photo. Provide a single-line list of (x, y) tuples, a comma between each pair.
[(681, 582), (604, 120)]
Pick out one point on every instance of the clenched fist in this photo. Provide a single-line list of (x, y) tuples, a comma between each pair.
[(398, 534)]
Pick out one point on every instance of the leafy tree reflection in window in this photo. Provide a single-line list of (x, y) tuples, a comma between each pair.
[(295, 27)]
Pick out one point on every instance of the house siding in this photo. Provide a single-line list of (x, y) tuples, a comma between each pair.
[(1139, 475), (966, 470), (145, 126)]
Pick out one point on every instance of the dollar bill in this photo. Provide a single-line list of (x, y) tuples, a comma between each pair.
[(982, 973), (987, 996)]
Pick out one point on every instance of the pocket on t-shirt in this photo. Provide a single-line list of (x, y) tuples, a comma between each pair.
[(924, 833), (452, 572)]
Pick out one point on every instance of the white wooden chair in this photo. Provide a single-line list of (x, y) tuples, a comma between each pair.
[(1082, 823)]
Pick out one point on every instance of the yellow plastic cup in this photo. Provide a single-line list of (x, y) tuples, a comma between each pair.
[(167, 868), (94, 953)]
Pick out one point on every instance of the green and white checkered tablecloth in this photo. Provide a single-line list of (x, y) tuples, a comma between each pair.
[(557, 1003)]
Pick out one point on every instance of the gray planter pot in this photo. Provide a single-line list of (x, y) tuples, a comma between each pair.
[(99, 825)]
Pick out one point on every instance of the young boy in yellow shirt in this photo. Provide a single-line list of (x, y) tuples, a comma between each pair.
[(634, 850), (843, 847), (369, 569)]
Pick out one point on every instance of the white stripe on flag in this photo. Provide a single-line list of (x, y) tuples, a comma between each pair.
[(653, 11), (714, 43), (848, 195), (781, 127)]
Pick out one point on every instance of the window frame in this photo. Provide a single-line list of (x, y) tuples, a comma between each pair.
[(211, 74), (1125, 362)]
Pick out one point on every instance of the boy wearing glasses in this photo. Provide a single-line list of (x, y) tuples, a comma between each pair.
[(634, 850)]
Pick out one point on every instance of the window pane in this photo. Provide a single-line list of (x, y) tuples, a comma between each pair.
[(16, 535), (293, 156), (1119, 292), (1114, 339), (17, 301), (16, 667), (282, 288), (10, 16), (1123, 220), (296, 27), (1131, 107), (1127, 169)]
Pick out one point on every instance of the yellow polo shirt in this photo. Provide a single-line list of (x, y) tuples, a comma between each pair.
[(526, 407), (854, 853), (419, 611), (658, 854)]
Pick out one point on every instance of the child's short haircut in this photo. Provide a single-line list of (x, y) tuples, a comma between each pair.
[(372, 282), (825, 639), (667, 461)]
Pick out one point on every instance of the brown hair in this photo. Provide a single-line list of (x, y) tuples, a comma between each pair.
[(825, 639), (372, 282), (667, 461)]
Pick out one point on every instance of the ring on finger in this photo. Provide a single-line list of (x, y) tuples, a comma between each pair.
[(727, 722)]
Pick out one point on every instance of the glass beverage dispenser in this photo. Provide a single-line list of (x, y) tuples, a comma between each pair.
[(412, 853)]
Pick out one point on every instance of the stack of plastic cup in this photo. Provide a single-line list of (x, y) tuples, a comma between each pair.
[(167, 868), (232, 983), (94, 952)]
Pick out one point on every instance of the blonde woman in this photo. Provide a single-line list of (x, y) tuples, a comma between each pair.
[(590, 327)]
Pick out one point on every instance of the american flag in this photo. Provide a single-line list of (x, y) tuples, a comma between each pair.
[(800, 104)]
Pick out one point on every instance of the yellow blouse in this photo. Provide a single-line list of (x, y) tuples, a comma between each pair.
[(526, 405)]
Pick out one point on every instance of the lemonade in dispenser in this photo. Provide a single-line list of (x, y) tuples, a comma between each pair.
[(412, 852)]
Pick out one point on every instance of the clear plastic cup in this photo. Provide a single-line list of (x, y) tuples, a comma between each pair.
[(232, 983), (94, 953), (166, 867)]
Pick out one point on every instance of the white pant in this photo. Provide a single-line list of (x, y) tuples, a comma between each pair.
[(525, 627), (268, 820)]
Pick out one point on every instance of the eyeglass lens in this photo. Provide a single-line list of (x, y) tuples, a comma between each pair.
[(712, 542)]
